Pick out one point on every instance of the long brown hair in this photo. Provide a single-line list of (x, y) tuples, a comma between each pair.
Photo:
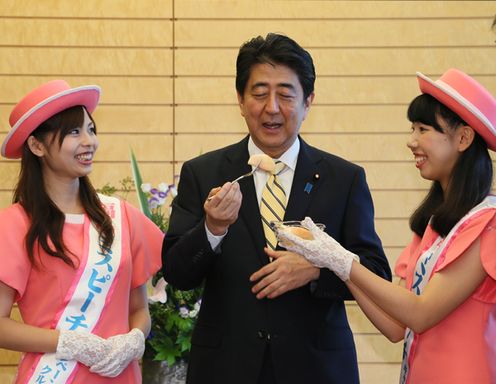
[(47, 220)]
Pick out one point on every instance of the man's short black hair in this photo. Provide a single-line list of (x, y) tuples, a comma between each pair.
[(275, 49)]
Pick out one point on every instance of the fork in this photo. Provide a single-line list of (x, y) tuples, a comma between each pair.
[(246, 174), (240, 177)]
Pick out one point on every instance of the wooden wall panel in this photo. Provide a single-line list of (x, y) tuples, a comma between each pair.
[(339, 33), (363, 147), (113, 173), (205, 90), (95, 9), (375, 348), (9, 170), (101, 62), (5, 197), (391, 204), (7, 373), (86, 32), (400, 61), (167, 71), (207, 119), (192, 145), (318, 9), (10, 357), (134, 118), (375, 90), (393, 232), (393, 176), (146, 147), (356, 118), (378, 61), (393, 254), (381, 373), (115, 90)]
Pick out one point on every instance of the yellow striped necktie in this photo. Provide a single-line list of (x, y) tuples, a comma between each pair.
[(273, 204)]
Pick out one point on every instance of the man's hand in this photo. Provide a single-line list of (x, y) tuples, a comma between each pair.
[(287, 271), (222, 207)]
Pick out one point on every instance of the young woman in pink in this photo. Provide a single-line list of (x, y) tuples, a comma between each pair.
[(447, 314), (75, 262)]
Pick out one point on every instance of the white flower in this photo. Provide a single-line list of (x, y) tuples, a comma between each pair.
[(195, 310), (193, 313), (158, 293), (183, 312), (173, 191), (163, 187), (146, 187)]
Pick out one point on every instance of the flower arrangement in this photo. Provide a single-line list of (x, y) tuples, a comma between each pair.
[(173, 312)]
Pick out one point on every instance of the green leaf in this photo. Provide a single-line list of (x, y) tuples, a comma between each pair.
[(171, 360), (143, 201)]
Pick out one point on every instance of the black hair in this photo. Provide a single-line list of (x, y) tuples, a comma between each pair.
[(275, 49), (471, 178)]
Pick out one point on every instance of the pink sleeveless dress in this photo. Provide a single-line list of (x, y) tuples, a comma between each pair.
[(460, 349), (41, 291)]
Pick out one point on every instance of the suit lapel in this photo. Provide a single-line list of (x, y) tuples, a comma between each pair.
[(305, 183)]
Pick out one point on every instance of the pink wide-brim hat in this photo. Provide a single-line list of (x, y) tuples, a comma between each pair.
[(41, 104), (467, 98)]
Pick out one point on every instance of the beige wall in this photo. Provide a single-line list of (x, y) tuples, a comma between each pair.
[(167, 72)]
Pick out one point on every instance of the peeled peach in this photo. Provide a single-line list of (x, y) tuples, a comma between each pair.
[(301, 232), (263, 161)]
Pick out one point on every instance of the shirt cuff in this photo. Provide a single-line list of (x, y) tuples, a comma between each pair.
[(213, 239)]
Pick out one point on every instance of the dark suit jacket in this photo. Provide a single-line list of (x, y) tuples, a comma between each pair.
[(307, 328)]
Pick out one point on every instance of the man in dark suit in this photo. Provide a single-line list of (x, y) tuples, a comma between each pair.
[(289, 324)]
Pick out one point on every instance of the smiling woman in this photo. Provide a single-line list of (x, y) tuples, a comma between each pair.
[(66, 152), (75, 262)]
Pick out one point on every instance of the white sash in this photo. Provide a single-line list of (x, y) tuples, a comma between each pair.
[(85, 299), (423, 272)]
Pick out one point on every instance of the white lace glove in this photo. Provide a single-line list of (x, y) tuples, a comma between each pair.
[(84, 347), (323, 251), (124, 349)]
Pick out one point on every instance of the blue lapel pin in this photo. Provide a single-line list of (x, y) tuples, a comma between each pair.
[(308, 187)]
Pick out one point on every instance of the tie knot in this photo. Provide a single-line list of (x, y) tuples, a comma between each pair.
[(278, 168)]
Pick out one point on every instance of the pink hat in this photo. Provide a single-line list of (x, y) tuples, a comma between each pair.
[(467, 98), (41, 104)]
